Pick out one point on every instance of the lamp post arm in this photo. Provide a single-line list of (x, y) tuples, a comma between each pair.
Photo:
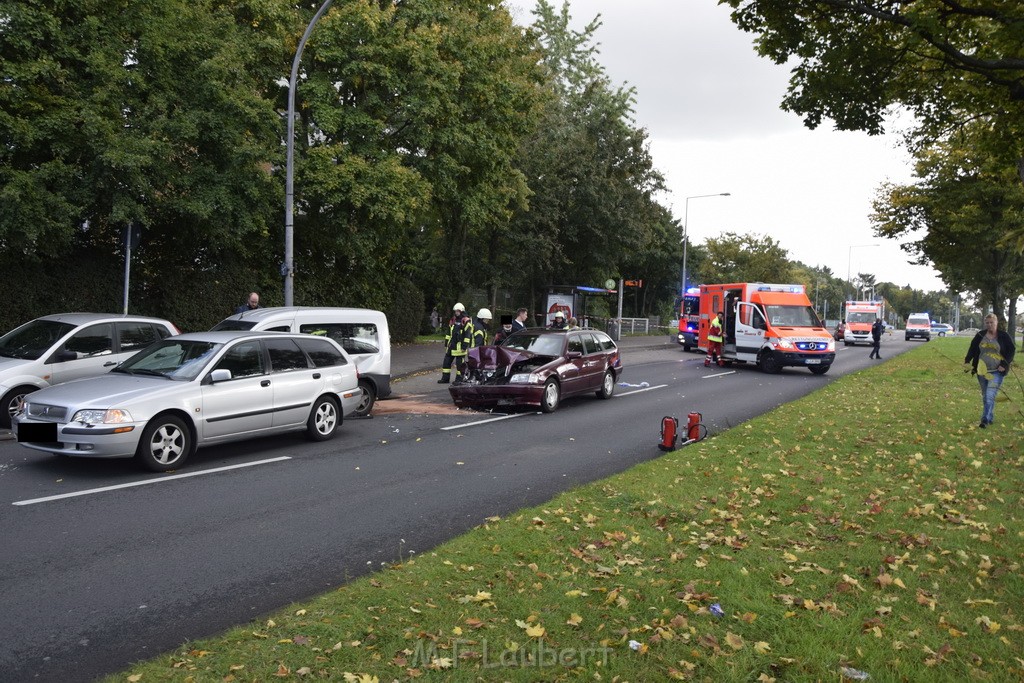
[(289, 177)]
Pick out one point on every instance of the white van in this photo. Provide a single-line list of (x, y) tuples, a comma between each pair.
[(362, 332)]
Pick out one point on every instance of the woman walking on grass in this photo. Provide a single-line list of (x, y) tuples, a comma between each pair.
[(995, 348)]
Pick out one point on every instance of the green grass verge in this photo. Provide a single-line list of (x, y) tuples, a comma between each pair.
[(870, 525)]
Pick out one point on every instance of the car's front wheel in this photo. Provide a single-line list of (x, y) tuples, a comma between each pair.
[(165, 445), (323, 419), (552, 396), (769, 364), (11, 404), (607, 385), (819, 369)]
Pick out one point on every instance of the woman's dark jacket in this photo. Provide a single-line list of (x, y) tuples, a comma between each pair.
[(1006, 349)]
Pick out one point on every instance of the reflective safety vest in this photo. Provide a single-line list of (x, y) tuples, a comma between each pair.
[(459, 339), (715, 333)]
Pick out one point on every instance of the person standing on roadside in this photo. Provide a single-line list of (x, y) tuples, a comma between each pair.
[(251, 304), (877, 328), (994, 348), (520, 320), (457, 342), (714, 354)]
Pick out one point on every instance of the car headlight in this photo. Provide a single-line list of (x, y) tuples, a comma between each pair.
[(524, 378), (782, 343), (96, 417), (831, 344)]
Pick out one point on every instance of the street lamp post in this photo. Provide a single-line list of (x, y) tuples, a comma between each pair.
[(849, 261), (288, 268), (686, 218)]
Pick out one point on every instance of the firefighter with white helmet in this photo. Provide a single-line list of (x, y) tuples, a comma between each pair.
[(481, 326), (457, 342)]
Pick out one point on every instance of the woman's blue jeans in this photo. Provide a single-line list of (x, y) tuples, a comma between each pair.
[(989, 390)]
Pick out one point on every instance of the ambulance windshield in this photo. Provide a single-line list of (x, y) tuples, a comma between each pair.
[(793, 316), (860, 317)]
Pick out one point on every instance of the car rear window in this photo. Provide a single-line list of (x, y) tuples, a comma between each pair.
[(322, 352)]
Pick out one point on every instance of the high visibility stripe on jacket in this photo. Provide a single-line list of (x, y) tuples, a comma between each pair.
[(715, 333), (459, 339)]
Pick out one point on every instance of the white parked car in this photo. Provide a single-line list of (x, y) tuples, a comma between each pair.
[(194, 390), (65, 346)]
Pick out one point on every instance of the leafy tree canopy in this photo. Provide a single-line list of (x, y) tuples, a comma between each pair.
[(946, 61)]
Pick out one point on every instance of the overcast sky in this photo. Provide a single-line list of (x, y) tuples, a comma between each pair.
[(710, 106)]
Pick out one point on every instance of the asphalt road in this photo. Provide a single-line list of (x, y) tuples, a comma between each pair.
[(104, 564)]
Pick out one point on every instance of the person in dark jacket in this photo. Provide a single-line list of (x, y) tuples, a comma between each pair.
[(506, 329), (995, 349), (877, 328), (251, 304), (457, 342)]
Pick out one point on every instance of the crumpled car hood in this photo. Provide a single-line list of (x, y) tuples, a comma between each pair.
[(493, 357)]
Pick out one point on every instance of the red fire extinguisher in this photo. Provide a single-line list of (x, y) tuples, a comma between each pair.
[(669, 433), (693, 426)]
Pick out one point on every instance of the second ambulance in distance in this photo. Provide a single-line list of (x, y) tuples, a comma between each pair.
[(771, 325)]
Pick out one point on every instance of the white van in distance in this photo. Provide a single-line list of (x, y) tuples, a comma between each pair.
[(362, 332)]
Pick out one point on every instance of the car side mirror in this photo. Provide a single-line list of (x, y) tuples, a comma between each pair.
[(220, 375)]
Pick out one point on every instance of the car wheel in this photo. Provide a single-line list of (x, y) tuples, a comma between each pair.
[(607, 385), (768, 364), (368, 396), (906, 338), (323, 419), (687, 347), (165, 444), (11, 403), (819, 369), (552, 396)]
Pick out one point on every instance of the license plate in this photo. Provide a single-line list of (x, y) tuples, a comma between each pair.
[(813, 361), (44, 432)]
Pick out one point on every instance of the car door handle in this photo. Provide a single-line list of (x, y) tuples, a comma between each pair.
[(316, 375), (109, 363), (265, 383)]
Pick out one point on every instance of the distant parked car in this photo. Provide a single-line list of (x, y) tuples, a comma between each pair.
[(193, 390), (840, 331), (539, 367), (65, 346), (941, 329)]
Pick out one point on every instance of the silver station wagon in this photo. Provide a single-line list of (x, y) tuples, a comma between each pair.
[(195, 390)]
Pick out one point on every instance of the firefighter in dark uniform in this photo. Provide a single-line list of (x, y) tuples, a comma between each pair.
[(481, 326), (457, 342)]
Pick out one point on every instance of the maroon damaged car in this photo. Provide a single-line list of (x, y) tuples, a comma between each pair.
[(539, 367)]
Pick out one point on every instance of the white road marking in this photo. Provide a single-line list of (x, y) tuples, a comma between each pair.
[(721, 374), (89, 492), (483, 422), (640, 391)]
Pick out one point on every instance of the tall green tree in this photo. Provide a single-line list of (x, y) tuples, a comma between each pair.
[(412, 115), (856, 58), (592, 213), (746, 258), (159, 113), (958, 214), (854, 61)]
